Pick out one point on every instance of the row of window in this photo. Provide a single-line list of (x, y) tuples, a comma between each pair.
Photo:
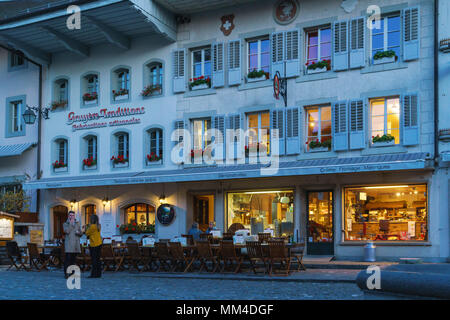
[(335, 126)]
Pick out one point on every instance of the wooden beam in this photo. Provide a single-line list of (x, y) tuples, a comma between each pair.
[(70, 44), (30, 51), (114, 37)]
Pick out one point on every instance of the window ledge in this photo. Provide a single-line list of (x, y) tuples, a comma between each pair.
[(255, 85), (384, 149), (199, 165), (316, 76), (384, 67), (317, 155), (153, 96), (388, 243), (201, 92)]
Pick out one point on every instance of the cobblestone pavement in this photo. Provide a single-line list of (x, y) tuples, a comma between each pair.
[(51, 285)]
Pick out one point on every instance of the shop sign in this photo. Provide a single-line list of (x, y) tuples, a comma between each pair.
[(37, 236), (165, 214), (6, 228), (105, 118), (367, 167)]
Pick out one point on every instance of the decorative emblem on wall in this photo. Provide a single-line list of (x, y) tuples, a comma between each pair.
[(165, 214), (349, 5), (285, 11), (227, 24)]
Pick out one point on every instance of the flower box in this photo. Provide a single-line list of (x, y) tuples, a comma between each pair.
[(262, 78), (150, 91), (383, 143), (120, 165), (317, 70), (319, 149), (153, 163), (60, 169), (93, 167), (200, 87), (90, 102), (384, 60), (122, 97)]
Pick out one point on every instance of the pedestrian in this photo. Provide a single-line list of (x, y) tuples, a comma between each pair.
[(95, 246), (195, 231), (72, 233)]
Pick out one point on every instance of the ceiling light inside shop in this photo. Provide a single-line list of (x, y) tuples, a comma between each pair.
[(386, 187)]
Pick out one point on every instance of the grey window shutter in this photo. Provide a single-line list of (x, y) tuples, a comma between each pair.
[(233, 122), (277, 120), (218, 74), (357, 131), (292, 54), (410, 120), (340, 47), (234, 63), (219, 125), (339, 123), (292, 131), (411, 33), (277, 61), (179, 70), (357, 41)]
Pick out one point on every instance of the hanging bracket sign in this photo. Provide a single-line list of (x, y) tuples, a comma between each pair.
[(280, 87), (165, 214)]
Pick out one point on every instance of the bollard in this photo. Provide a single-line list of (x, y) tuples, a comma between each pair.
[(369, 252)]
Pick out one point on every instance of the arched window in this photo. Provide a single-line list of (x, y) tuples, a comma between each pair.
[(60, 159), (121, 84), (90, 152), (120, 158), (155, 147), (89, 210), (60, 94), (140, 213), (90, 89), (153, 79)]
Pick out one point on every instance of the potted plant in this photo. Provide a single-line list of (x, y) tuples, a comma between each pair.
[(318, 67), (90, 98), (89, 163), (254, 75), (58, 104), (59, 166), (384, 57), (200, 83), (135, 231), (121, 94), (151, 90), (319, 145), (119, 161), (384, 140), (153, 158)]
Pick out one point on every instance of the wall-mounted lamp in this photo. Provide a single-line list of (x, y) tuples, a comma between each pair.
[(105, 201), (29, 116), (73, 203), (162, 199)]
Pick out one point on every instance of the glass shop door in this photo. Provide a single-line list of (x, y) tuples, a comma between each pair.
[(320, 237)]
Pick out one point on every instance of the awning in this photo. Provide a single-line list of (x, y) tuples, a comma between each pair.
[(15, 149), (378, 163)]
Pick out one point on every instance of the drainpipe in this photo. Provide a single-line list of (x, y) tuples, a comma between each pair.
[(436, 82)]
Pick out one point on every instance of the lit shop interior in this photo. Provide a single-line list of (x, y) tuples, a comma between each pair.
[(390, 213), (262, 211)]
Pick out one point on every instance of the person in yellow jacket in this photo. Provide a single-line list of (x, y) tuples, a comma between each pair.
[(95, 246)]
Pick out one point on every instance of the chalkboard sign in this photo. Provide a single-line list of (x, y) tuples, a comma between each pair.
[(165, 214), (37, 236), (6, 228)]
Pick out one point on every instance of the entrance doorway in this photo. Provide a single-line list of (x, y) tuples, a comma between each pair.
[(60, 214), (320, 240), (203, 210)]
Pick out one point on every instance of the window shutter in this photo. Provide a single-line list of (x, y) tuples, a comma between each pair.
[(410, 120), (219, 125), (340, 48), (357, 41), (234, 123), (411, 33), (292, 131), (277, 120), (277, 44), (339, 123), (357, 133), (179, 70), (234, 63), (292, 54), (218, 75)]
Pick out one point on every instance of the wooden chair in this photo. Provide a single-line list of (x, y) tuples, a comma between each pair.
[(164, 240), (235, 226), (16, 256), (207, 236), (149, 257), (111, 261), (136, 259), (189, 239), (205, 254), (179, 259), (83, 260), (264, 237), (279, 253), (163, 256), (297, 254), (36, 259), (227, 236), (255, 255), (228, 255)]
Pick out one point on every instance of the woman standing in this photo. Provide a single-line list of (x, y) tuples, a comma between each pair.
[(72, 232), (95, 246)]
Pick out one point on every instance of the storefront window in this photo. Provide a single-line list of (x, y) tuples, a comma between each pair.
[(259, 211), (140, 213), (386, 213)]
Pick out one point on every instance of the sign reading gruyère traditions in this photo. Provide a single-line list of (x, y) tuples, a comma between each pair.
[(104, 118)]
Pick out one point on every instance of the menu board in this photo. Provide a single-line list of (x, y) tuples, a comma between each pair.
[(108, 229), (6, 228), (37, 236)]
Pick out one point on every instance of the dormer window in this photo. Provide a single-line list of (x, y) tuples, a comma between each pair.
[(90, 89), (121, 84)]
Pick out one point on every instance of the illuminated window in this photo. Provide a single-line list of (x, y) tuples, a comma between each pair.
[(200, 133), (140, 213), (318, 124), (89, 210), (385, 117), (259, 130)]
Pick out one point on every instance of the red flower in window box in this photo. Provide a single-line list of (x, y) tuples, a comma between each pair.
[(153, 157), (90, 96), (59, 164), (89, 162), (119, 159)]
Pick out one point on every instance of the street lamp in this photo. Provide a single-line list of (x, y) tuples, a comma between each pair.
[(29, 115)]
